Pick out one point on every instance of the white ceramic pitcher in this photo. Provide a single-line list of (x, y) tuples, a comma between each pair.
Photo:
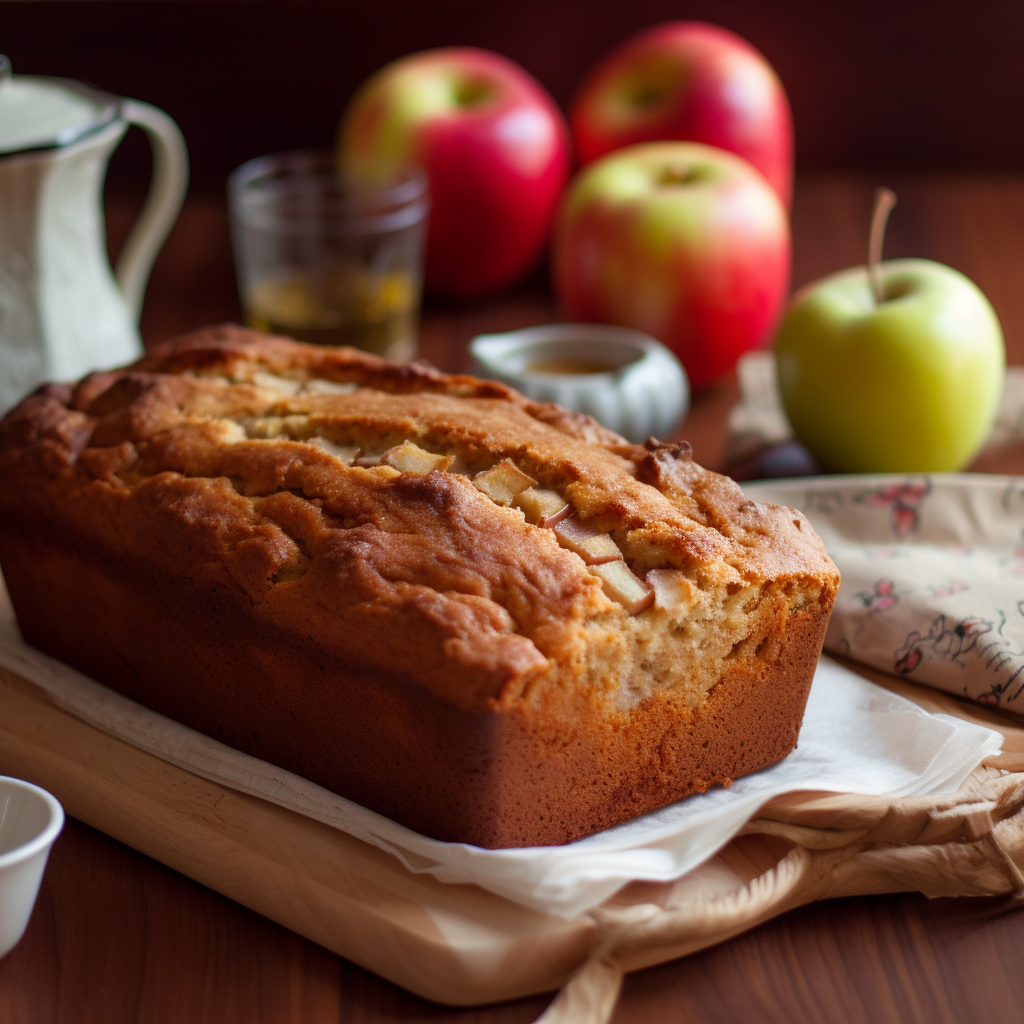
[(63, 312)]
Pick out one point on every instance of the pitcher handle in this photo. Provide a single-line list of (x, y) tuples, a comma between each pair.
[(166, 194)]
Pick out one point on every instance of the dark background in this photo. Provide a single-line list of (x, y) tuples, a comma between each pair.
[(873, 85)]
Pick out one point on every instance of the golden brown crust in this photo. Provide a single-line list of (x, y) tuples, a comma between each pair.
[(193, 518)]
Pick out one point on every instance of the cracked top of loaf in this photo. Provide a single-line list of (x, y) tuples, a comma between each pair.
[(435, 526)]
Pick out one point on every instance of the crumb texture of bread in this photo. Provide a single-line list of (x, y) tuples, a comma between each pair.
[(338, 563)]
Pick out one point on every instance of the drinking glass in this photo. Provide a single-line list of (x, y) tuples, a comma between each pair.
[(327, 261)]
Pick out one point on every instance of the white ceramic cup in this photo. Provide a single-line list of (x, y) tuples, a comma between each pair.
[(30, 820), (632, 384)]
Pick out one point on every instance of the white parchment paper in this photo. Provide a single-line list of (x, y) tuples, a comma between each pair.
[(856, 737)]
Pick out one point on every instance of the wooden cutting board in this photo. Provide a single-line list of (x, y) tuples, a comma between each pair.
[(455, 944)]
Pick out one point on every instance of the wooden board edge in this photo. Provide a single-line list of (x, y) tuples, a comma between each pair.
[(443, 942)]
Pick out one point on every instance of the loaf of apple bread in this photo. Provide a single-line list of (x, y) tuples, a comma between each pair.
[(488, 618)]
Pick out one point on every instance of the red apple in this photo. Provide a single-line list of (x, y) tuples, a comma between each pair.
[(691, 82), (679, 240), (495, 149)]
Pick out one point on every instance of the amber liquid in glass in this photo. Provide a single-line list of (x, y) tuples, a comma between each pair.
[(340, 306)]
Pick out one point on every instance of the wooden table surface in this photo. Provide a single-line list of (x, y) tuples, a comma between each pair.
[(118, 938)]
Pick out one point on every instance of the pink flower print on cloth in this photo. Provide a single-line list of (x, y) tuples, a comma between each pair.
[(932, 576), (945, 639), (903, 499), (948, 589), (982, 639), (883, 597)]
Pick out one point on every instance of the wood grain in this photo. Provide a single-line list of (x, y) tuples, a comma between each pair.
[(117, 938), (344, 894)]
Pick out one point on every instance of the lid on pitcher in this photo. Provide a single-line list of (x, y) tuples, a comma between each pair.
[(39, 113)]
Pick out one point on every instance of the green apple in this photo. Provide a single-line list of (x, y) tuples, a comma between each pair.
[(910, 383)]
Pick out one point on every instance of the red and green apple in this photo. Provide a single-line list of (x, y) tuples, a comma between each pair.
[(493, 145), (693, 82), (683, 241)]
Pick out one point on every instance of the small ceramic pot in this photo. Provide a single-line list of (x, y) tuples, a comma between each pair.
[(626, 380), (30, 820)]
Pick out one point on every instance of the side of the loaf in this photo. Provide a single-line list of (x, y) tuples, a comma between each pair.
[(489, 619)]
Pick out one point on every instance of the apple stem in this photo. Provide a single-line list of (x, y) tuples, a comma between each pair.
[(678, 174), (885, 200)]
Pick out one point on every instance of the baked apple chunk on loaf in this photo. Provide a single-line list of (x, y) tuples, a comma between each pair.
[(488, 618)]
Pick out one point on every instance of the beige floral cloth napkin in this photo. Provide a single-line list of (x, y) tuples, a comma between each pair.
[(932, 575)]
